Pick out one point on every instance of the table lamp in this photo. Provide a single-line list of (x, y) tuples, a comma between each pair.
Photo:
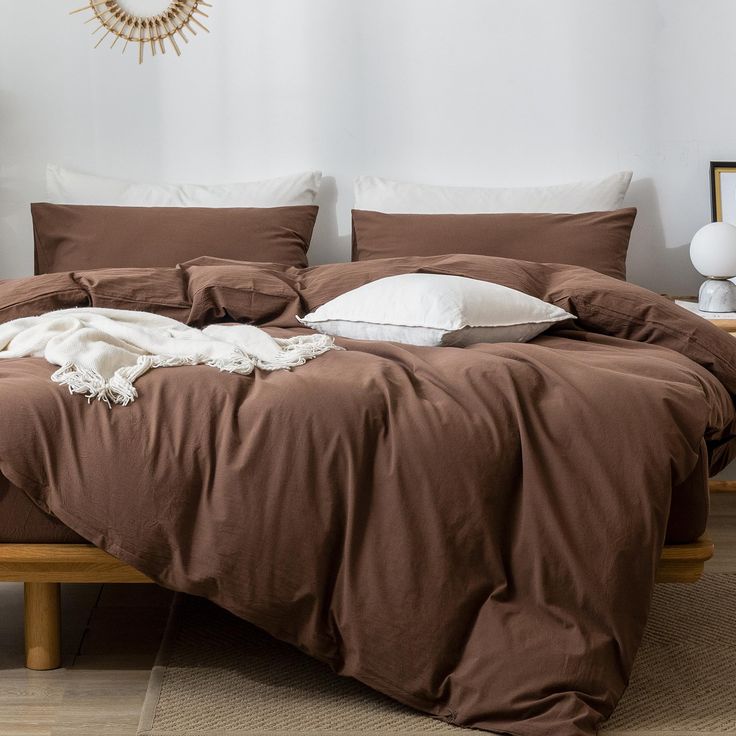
[(713, 253)]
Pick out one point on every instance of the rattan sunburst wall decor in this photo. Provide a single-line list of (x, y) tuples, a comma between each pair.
[(147, 31)]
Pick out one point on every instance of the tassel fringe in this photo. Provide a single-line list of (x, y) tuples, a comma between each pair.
[(119, 389)]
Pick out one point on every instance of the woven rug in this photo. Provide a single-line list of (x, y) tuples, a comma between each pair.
[(218, 676)]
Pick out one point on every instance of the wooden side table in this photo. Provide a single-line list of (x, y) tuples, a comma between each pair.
[(727, 325)]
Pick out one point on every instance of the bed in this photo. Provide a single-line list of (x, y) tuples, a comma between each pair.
[(482, 487), (473, 531)]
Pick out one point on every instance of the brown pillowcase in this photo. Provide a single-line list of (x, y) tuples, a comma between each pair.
[(160, 290), (34, 295), (596, 240), (241, 292), (84, 237)]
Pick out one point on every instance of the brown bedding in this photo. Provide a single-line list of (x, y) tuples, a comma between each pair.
[(472, 531), (76, 237), (22, 522), (597, 240)]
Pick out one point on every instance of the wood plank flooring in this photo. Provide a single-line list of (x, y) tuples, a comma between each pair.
[(111, 635)]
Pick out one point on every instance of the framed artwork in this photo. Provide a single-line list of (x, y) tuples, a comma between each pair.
[(723, 191)]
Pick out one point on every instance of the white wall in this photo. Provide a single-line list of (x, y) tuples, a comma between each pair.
[(444, 91)]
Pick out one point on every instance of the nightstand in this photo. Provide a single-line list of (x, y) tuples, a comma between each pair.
[(727, 325)]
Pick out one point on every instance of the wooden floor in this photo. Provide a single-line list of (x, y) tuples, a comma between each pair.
[(111, 636)]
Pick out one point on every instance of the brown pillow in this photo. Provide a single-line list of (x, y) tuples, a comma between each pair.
[(240, 292), (160, 290), (33, 295), (84, 237), (596, 240)]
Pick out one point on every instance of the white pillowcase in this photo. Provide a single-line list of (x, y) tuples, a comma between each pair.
[(64, 186), (396, 197), (434, 309)]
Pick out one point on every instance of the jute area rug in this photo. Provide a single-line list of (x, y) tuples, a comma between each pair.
[(218, 676)]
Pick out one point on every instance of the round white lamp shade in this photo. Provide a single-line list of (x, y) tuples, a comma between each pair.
[(713, 250)]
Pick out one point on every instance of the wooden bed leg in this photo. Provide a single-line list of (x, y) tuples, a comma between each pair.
[(42, 621)]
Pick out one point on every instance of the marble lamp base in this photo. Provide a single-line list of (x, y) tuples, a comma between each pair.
[(717, 295)]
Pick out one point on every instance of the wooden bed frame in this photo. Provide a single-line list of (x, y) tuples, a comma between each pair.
[(43, 567)]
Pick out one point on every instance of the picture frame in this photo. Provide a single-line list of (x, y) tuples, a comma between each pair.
[(723, 191)]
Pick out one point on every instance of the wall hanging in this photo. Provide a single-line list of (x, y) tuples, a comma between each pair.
[(150, 31)]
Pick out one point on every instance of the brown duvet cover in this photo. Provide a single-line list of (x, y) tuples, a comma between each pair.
[(22, 522), (471, 531)]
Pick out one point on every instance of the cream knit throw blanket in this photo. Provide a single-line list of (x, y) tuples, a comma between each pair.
[(103, 351)]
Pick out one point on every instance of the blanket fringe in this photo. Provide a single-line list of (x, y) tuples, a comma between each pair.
[(119, 388), (298, 350)]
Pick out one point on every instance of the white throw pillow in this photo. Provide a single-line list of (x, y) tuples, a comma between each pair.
[(64, 186), (396, 197), (434, 309)]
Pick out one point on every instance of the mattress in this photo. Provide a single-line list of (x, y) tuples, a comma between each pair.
[(21, 521)]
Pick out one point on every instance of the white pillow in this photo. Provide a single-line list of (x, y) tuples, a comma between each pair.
[(64, 186), (434, 309), (396, 197)]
